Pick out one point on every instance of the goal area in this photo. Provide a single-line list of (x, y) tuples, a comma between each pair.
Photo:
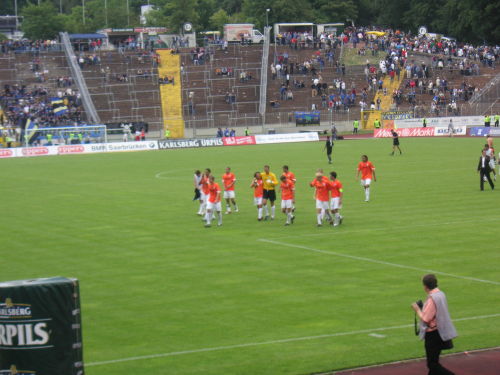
[(68, 135)]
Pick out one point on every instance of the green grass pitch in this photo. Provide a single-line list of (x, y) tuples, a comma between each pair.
[(172, 297)]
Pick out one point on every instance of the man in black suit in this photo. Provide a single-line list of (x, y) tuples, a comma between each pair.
[(484, 170)]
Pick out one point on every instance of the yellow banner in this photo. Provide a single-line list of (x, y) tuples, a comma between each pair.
[(169, 70)]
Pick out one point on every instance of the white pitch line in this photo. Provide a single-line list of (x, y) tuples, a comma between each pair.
[(281, 341), (392, 229), (377, 261), (377, 335)]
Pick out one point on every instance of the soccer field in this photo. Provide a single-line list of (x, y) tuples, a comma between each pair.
[(161, 294)]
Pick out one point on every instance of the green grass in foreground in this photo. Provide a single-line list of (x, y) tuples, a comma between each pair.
[(153, 280)]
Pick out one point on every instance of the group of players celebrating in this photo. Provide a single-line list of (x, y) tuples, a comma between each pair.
[(328, 193)]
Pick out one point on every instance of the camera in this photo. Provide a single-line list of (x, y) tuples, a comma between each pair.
[(420, 304)]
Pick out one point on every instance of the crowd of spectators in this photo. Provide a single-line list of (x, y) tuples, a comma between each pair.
[(199, 56), (40, 106), (32, 46), (225, 133), (424, 83), (301, 40)]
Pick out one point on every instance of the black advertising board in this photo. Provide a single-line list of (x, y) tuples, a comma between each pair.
[(40, 327), (165, 144)]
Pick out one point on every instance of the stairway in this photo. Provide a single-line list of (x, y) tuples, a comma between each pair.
[(385, 100), (171, 94)]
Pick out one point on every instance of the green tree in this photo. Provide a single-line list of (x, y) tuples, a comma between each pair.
[(41, 21), (425, 12), (230, 6), (390, 13), (327, 11), (218, 20), (206, 9), (255, 12), (179, 12), (475, 21)]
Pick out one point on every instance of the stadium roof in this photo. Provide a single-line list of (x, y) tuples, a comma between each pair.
[(87, 36)]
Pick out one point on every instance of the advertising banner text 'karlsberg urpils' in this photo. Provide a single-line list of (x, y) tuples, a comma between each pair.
[(40, 327)]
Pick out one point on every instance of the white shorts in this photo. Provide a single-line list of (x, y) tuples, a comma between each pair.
[(214, 206), (368, 181), (322, 205), (203, 197), (287, 203), (257, 201), (229, 194), (335, 203), (492, 164)]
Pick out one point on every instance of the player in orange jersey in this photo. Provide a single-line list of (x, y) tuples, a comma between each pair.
[(228, 179), (213, 204), (336, 201), (204, 191), (287, 192), (322, 196), (290, 176), (367, 171), (258, 192)]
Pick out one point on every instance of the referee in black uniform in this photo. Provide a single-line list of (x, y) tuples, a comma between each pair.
[(329, 149), (395, 142)]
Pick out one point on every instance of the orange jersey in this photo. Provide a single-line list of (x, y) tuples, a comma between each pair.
[(229, 180), (336, 187), (323, 188), (286, 190), (258, 187), (366, 170), (214, 190), (204, 185), (290, 176)]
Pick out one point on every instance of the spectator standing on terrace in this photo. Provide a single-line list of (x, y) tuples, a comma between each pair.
[(497, 120)]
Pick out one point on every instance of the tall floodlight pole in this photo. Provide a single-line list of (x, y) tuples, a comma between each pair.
[(106, 11), (267, 17), (60, 6), (83, 11), (128, 14), (15, 12)]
